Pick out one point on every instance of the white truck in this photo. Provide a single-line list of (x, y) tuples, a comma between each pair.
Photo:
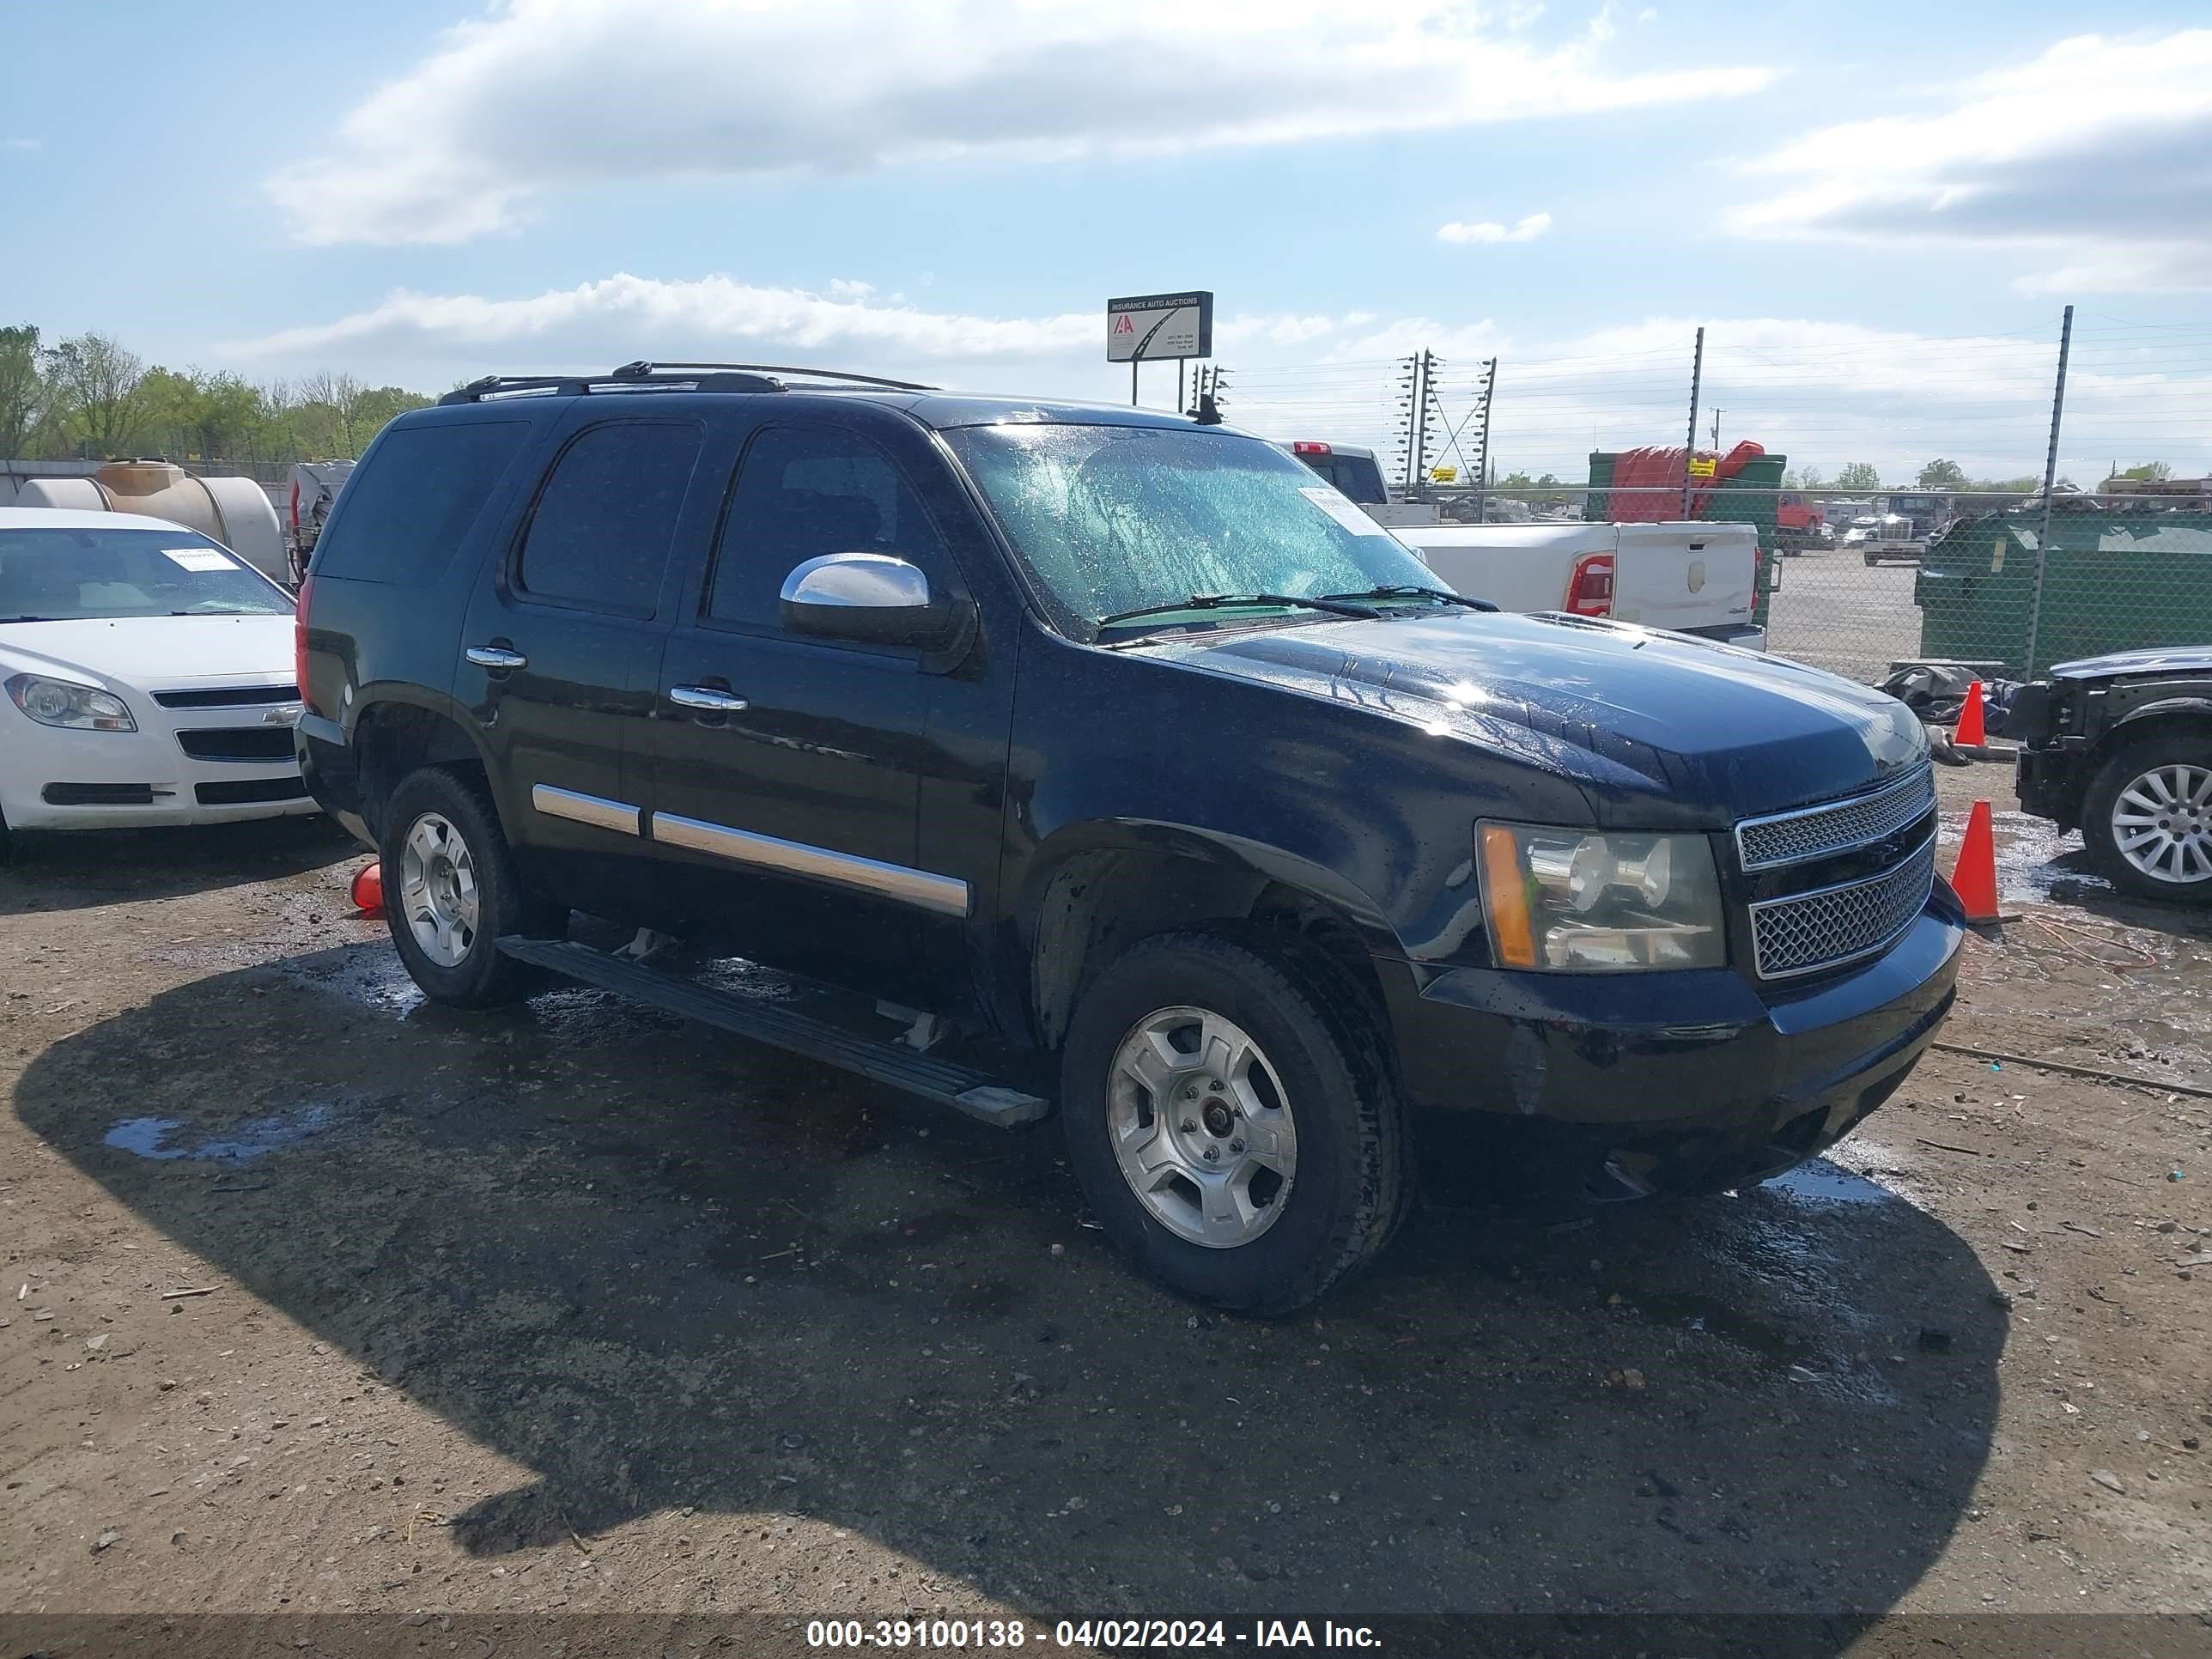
[(1692, 577)]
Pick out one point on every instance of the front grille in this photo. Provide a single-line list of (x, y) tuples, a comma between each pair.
[(250, 789), (1807, 931), (99, 794), (238, 743), (228, 696), (1819, 832)]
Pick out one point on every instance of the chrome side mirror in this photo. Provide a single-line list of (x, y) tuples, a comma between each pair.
[(872, 597)]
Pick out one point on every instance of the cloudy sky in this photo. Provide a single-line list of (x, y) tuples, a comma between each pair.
[(1876, 210)]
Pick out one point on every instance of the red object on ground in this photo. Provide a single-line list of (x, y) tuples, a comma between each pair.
[(1974, 879), (1972, 733), (1647, 483), (368, 891)]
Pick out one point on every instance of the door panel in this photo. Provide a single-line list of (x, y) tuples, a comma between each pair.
[(562, 657), (787, 827)]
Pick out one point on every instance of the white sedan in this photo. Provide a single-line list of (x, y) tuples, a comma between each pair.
[(148, 677)]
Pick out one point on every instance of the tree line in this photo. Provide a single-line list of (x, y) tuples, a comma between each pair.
[(90, 398)]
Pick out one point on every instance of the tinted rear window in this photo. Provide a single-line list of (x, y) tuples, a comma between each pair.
[(402, 517), (1353, 475), (600, 536)]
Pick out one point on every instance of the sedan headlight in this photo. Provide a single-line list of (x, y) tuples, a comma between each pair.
[(1578, 902), (72, 707)]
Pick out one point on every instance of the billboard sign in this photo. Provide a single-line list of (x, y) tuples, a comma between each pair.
[(1147, 327)]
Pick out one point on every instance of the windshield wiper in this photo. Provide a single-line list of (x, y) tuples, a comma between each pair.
[(9, 619), (1336, 605), (1409, 591)]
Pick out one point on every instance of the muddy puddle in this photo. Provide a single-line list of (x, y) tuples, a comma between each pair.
[(165, 1140)]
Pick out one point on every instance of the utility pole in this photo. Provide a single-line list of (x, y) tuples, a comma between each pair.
[(1717, 430), (2049, 483), (1690, 452), (1482, 442)]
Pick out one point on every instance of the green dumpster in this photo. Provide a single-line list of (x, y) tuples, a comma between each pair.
[(2113, 580)]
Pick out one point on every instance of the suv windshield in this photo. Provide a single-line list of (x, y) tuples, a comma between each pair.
[(84, 575), (1116, 519)]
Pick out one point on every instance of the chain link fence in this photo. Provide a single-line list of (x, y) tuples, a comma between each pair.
[(2001, 502)]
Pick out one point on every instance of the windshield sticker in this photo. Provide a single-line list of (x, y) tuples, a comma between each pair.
[(1341, 507), (196, 558)]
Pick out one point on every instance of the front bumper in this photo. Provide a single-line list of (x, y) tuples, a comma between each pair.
[(1618, 1087), (2051, 782), (57, 779)]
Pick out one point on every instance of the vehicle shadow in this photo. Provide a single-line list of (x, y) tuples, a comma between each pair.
[(660, 1268), (43, 870)]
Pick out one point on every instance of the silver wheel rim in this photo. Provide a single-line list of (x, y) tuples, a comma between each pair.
[(2162, 824), (438, 889), (1201, 1127)]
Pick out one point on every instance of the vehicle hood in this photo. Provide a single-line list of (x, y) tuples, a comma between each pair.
[(151, 651), (1656, 727), (2166, 659)]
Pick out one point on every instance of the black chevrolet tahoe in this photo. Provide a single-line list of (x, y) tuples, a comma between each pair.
[(1115, 744)]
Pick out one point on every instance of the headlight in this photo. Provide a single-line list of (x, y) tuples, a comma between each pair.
[(75, 708), (1575, 901)]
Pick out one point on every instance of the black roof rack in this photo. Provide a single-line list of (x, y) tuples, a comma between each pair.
[(642, 370), (642, 376)]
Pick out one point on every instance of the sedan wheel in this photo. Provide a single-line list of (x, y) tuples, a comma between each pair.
[(2162, 824), (1201, 1127)]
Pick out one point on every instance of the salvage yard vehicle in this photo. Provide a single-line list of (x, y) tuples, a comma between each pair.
[(1694, 578), (2120, 748), (1117, 742), (149, 673)]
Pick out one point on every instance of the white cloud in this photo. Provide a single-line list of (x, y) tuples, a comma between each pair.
[(1489, 230), (550, 94), (1822, 392), (631, 317), (2084, 166)]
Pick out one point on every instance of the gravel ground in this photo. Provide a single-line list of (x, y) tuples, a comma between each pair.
[(575, 1307), (1837, 613)]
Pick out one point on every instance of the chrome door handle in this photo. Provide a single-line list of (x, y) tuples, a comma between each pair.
[(705, 699), (492, 657)]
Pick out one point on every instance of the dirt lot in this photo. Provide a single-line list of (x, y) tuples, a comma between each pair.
[(576, 1307)]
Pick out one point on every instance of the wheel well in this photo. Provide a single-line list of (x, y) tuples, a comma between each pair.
[(2187, 722), (1098, 904), (394, 739)]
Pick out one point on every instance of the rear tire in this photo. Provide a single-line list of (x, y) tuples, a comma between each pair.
[(1314, 1087), (451, 889), (2147, 819)]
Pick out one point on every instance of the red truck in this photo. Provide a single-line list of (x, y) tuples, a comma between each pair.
[(1797, 522)]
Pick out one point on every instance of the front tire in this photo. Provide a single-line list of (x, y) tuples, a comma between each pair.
[(451, 889), (2147, 819), (1193, 1044)]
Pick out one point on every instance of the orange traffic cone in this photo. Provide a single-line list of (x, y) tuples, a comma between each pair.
[(1974, 879), (368, 892), (1971, 734)]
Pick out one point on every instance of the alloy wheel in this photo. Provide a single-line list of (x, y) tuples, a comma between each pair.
[(2162, 824), (1201, 1126)]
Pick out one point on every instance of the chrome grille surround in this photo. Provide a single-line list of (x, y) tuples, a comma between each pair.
[(1805, 933), (1819, 832)]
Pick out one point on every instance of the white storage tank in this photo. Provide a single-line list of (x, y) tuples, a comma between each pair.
[(235, 511)]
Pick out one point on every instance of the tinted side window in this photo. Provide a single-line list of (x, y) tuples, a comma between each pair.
[(401, 518), (601, 532), (802, 492)]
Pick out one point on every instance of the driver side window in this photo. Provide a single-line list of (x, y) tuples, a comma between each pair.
[(802, 492)]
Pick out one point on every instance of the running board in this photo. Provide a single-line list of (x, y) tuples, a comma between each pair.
[(781, 1027)]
